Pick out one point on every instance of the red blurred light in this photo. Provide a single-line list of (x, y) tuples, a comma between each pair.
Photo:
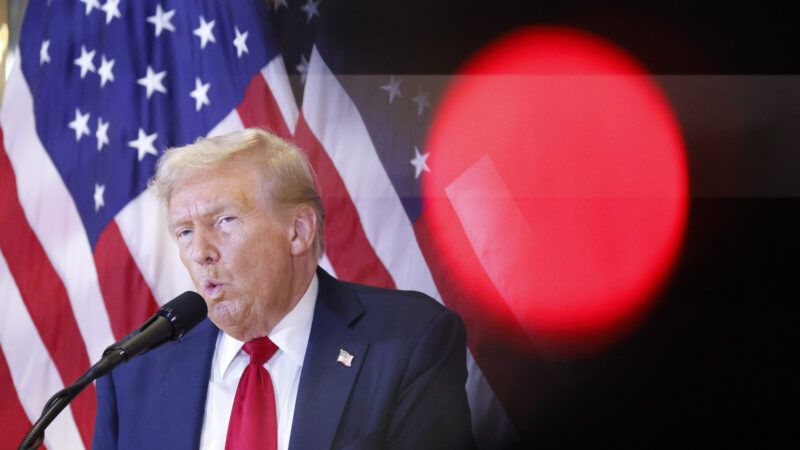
[(564, 166)]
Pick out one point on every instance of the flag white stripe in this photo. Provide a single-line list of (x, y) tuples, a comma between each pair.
[(335, 121), (32, 369), (231, 122), (53, 216), (278, 82), (143, 226)]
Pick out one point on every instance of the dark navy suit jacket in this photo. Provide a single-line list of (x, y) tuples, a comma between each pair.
[(404, 389)]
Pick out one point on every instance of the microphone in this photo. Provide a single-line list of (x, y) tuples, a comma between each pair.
[(169, 323)]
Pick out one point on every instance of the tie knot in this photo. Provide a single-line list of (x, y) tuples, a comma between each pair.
[(260, 350)]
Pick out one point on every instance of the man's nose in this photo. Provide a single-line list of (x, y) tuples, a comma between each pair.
[(204, 248)]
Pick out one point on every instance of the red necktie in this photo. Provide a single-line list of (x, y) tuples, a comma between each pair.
[(253, 421)]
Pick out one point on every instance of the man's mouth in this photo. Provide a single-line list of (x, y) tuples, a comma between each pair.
[(212, 288)]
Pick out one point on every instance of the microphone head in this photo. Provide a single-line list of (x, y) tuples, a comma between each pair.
[(184, 312)]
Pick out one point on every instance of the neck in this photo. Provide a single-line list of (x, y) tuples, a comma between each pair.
[(303, 270)]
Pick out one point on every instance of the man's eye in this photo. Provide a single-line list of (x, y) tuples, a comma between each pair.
[(227, 219), (183, 233)]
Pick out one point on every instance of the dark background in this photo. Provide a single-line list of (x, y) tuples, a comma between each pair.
[(712, 364)]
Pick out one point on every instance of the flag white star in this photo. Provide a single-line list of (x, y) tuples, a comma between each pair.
[(99, 202), (311, 8), (303, 68), (144, 144), (90, 5), (422, 102), (420, 162), (101, 134), (153, 81), (205, 32), (393, 88), (111, 8), (85, 61), (162, 20), (80, 124), (240, 42), (276, 4), (44, 52), (200, 94), (106, 70)]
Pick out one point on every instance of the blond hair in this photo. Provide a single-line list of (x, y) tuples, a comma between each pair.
[(289, 175)]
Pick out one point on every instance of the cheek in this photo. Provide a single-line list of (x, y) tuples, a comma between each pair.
[(255, 261), (261, 260), (242, 256)]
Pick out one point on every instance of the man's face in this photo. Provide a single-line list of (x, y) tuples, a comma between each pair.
[(235, 246)]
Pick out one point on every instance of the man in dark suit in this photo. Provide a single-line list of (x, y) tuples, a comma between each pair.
[(349, 366)]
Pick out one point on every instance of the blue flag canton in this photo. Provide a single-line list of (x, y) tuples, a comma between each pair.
[(115, 84)]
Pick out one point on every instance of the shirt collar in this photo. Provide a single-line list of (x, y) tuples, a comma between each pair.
[(290, 334)]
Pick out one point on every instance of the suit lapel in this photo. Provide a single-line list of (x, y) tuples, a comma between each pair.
[(325, 383), (185, 370)]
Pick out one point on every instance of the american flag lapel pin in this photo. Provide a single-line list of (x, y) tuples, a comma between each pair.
[(345, 358)]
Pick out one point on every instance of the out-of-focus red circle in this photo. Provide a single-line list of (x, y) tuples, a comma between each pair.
[(559, 163)]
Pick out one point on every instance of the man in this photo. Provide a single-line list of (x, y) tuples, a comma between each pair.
[(353, 366)]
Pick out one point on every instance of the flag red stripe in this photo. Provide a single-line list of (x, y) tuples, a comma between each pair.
[(127, 296), (347, 246), (44, 296), (259, 108), (14, 423), (498, 342)]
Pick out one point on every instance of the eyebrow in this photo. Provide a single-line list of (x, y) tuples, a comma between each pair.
[(211, 210)]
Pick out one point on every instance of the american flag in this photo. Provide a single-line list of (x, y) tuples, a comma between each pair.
[(99, 90)]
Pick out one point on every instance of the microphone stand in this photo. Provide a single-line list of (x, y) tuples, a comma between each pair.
[(35, 437), (162, 327)]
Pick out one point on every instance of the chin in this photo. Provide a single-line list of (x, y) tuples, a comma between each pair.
[(224, 314)]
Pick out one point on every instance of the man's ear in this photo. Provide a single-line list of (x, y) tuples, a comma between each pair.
[(303, 231)]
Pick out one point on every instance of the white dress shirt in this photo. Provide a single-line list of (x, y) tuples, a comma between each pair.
[(291, 337)]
